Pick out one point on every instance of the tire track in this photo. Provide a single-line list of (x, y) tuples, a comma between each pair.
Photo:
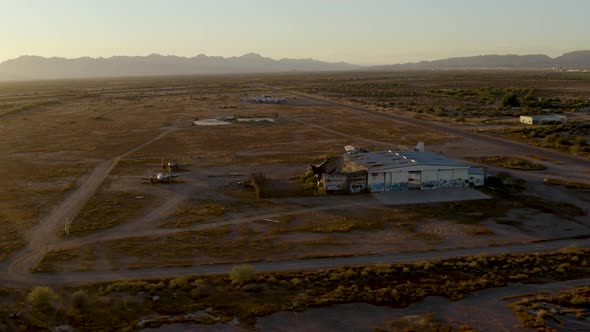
[(42, 235), (85, 277)]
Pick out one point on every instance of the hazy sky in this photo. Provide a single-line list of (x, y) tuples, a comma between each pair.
[(357, 31)]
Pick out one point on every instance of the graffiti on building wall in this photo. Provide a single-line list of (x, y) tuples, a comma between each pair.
[(476, 181), (400, 186), (428, 185), (378, 186), (458, 183), (444, 183), (332, 187), (357, 188)]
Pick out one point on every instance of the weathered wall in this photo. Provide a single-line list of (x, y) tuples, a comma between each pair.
[(477, 179), (335, 182), (399, 181), (376, 182), (429, 179), (357, 181), (460, 177)]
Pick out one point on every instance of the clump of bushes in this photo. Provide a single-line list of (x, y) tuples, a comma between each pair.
[(43, 298), (242, 274), (179, 283), (80, 300), (510, 100), (310, 180)]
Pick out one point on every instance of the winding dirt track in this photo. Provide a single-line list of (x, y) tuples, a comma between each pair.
[(41, 236)]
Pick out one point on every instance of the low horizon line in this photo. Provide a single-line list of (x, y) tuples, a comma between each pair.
[(276, 59)]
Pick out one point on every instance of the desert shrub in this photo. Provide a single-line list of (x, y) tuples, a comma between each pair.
[(43, 298), (132, 287), (340, 292), (439, 111), (199, 282), (580, 300), (241, 274), (552, 138), (578, 149), (197, 293), (580, 141), (562, 268), (349, 274), (309, 180), (253, 288), (180, 283), (80, 300), (520, 276), (510, 99), (152, 288), (563, 141), (540, 318)]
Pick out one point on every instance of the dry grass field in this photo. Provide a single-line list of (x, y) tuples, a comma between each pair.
[(56, 133), (74, 152), (477, 100)]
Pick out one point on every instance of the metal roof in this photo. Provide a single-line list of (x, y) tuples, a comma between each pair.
[(545, 116), (376, 161)]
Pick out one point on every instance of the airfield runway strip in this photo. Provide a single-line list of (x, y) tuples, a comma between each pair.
[(77, 278)]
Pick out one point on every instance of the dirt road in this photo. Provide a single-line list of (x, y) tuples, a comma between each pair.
[(75, 278), (131, 230), (39, 237)]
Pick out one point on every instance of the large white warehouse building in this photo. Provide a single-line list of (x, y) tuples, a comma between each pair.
[(407, 170)]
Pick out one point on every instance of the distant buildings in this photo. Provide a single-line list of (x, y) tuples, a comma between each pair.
[(361, 170), (545, 119)]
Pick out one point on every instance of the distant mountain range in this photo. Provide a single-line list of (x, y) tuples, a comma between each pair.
[(36, 67), (573, 60)]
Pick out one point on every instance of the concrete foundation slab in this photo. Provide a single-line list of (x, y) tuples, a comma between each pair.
[(429, 196)]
